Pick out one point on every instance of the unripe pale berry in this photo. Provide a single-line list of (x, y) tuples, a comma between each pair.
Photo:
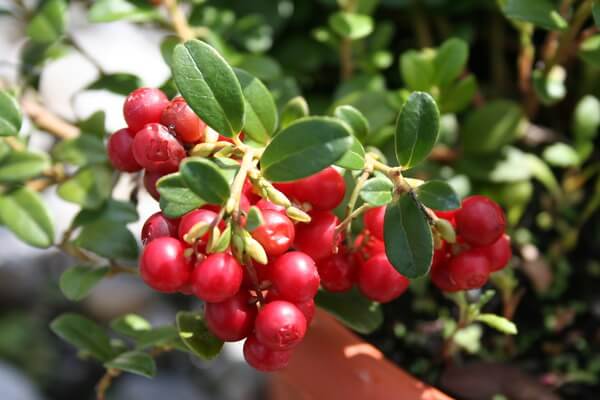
[(179, 118), (336, 272), (217, 278), (163, 265), (120, 151), (280, 325), (378, 280), (144, 106), (156, 226), (373, 220), (469, 269), (498, 253), (276, 234), (318, 238), (480, 221), (155, 149), (262, 358), (295, 277), (233, 319), (324, 190)]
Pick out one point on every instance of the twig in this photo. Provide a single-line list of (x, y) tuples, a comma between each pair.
[(48, 121), (179, 20), (346, 62), (105, 381)]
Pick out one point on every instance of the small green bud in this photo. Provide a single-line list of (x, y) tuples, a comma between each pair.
[(297, 214), (446, 230), (196, 232)]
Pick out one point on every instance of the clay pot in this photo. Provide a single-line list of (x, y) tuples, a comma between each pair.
[(332, 363)]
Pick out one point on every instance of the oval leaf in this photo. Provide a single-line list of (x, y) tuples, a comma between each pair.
[(542, 13), (76, 282), (356, 120), (350, 25), (196, 335), (84, 334), (205, 179), (89, 188), (25, 214), (209, 86), (377, 191), (261, 111), (294, 109), (354, 158), (86, 149), (176, 198), (408, 238), (450, 60), (10, 115), (499, 323), (304, 148), (112, 210), (115, 10), (19, 166), (135, 362), (49, 24), (438, 195), (417, 129), (108, 239), (352, 309)]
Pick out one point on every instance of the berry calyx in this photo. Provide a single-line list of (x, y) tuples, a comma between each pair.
[(155, 149), (280, 325), (179, 118), (336, 273), (120, 151), (217, 278), (144, 106), (156, 226), (264, 359), (373, 220), (379, 281), (295, 277), (233, 319), (318, 238), (480, 221), (469, 269), (163, 265), (276, 234)]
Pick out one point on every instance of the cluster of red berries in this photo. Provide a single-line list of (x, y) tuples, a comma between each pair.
[(482, 246)]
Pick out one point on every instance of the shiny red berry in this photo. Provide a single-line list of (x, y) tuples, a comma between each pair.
[(440, 277), (364, 249), (379, 281), (163, 265), (144, 106), (155, 149), (156, 226), (179, 118), (324, 190), (441, 256), (150, 179), (447, 215), (498, 253), (480, 221), (276, 234), (280, 325), (233, 319), (318, 238), (262, 358), (120, 151), (295, 277), (189, 220), (469, 269), (217, 278), (265, 205), (336, 272), (373, 220), (306, 307)]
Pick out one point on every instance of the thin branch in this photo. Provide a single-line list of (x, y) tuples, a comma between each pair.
[(48, 121), (179, 20)]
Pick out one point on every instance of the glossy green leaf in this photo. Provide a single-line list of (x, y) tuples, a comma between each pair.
[(450, 60), (417, 129), (135, 362), (350, 25), (130, 325), (49, 23), (119, 83), (354, 158), (209, 86), (108, 239), (205, 179), (261, 111), (19, 166), (10, 115), (377, 191), (458, 96), (254, 219), (128, 10), (196, 335), (112, 210), (166, 335), (438, 195), (176, 198), (83, 150), (24, 213), (94, 125), (589, 50), (408, 238), (89, 188), (418, 69), (499, 323), (294, 109), (84, 334), (542, 13), (489, 128), (354, 118), (561, 155), (304, 148), (352, 309), (77, 282)]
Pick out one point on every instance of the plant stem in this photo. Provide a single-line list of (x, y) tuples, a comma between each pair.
[(347, 222), (179, 20), (48, 121), (238, 184), (105, 382), (346, 63)]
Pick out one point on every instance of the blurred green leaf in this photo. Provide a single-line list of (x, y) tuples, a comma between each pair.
[(542, 13), (128, 10), (19, 166), (509, 165), (261, 111), (10, 115), (77, 282), (83, 150), (24, 213), (354, 118), (94, 124), (89, 188), (49, 23), (196, 335), (561, 155), (135, 362), (350, 25), (499, 323), (84, 334), (589, 50), (550, 88), (352, 309), (205, 179), (596, 12), (450, 60), (130, 325), (458, 95), (120, 83), (294, 109), (108, 239), (112, 210), (418, 69), (586, 119)]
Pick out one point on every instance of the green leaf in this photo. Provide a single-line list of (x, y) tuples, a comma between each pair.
[(4, 150), (108, 239), (83, 150), (89, 188), (417, 129), (209, 86), (550, 88), (352, 309), (176, 198), (77, 282), (450, 60), (294, 109), (49, 23), (354, 118), (135, 362), (596, 12), (10, 115), (561, 155), (542, 13), (492, 126), (408, 238), (586, 119), (166, 335), (23, 212), (205, 179), (377, 191), (458, 96), (84, 334), (354, 158), (499, 323), (19, 166), (112, 210), (196, 335), (261, 111), (131, 325), (542, 172), (438, 195), (418, 69), (94, 125), (119, 83), (254, 219), (304, 148), (509, 165), (589, 50), (167, 46), (350, 25), (129, 10)]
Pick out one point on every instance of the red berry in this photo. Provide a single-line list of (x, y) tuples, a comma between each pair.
[(287, 188), (280, 325), (295, 277), (469, 269), (306, 307), (155, 149), (144, 106), (373, 220), (120, 153), (480, 221), (324, 190), (318, 238), (440, 277), (262, 274), (336, 273), (183, 122), (499, 253), (379, 281), (163, 265), (265, 205), (150, 179), (264, 359), (364, 251), (189, 220), (233, 319), (441, 256), (156, 226), (276, 234), (217, 278)]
